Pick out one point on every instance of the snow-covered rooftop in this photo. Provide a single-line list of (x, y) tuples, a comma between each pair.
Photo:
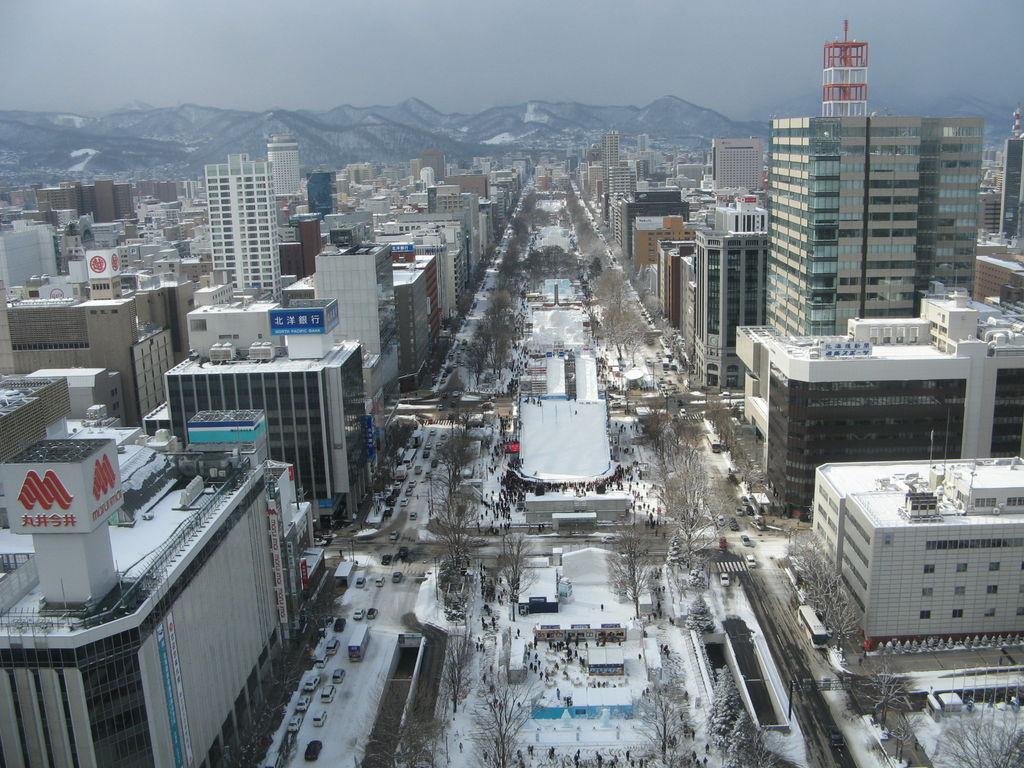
[(564, 440)]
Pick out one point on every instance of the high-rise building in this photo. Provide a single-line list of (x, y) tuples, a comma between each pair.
[(844, 89), (283, 155), (865, 213), (1011, 205), (737, 163), (656, 203), (730, 266), (609, 154), (320, 192), (243, 224), (104, 200), (433, 158), (642, 141)]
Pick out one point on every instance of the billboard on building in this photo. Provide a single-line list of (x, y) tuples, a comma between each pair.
[(62, 489), (299, 320)]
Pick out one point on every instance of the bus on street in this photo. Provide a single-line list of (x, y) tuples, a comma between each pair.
[(812, 625)]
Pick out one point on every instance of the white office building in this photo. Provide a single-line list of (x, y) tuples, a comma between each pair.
[(737, 163), (283, 154), (243, 224), (927, 548), (139, 622)]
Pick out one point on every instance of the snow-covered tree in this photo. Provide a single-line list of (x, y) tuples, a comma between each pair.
[(499, 718), (661, 713), (748, 747), (513, 567), (984, 741), (725, 710), (455, 676), (699, 619), (632, 572)]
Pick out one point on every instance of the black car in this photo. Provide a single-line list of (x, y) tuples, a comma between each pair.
[(836, 739), (339, 624), (313, 750), (403, 553), (733, 525), (385, 560)]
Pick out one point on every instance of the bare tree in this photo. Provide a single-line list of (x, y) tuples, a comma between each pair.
[(885, 691), (842, 617), (457, 675), (661, 713), (476, 359), (901, 728), (680, 484), (499, 717), (514, 569), (976, 740), (454, 457), (450, 522), (819, 578), (632, 572)]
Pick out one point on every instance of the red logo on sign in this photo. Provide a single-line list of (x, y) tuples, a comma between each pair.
[(102, 477), (97, 264), (115, 262), (46, 492)]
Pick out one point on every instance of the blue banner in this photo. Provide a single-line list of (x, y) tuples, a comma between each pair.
[(172, 712), (371, 448)]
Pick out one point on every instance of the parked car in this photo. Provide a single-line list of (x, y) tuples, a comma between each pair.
[(313, 750), (360, 581), (339, 624), (327, 694), (721, 519), (295, 723), (733, 525), (320, 718), (332, 646), (371, 614), (303, 703), (358, 615)]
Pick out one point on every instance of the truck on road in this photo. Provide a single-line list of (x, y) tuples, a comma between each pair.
[(358, 642)]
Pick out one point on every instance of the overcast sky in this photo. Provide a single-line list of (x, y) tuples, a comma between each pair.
[(745, 58)]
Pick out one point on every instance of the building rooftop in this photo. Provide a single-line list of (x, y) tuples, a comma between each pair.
[(881, 489), (336, 354), (56, 451)]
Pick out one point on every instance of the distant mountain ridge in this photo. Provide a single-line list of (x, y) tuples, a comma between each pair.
[(180, 140)]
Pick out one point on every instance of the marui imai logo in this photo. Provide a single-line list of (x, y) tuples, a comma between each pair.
[(97, 264), (102, 477), (45, 491)]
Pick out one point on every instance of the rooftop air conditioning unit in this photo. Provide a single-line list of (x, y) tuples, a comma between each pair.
[(261, 350), (222, 352)]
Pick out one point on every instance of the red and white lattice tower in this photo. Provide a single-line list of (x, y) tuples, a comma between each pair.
[(844, 88), (1018, 132)]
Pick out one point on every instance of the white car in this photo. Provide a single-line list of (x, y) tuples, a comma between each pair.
[(358, 615), (303, 703), (295, 723), (724, 578)]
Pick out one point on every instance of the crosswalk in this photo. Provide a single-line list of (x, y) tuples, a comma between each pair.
[(730, 566)]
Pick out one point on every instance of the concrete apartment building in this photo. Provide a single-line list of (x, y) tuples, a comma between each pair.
[(653, 203), (730, 270), (999, 278), (418, 319), (104, 199), (865, 212), (650, 231), (33, 408), (946, 384), (99, 333), (243, 224), (737, 163), (927, 548)]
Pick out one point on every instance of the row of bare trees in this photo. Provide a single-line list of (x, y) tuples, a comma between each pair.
[(614, 318), (824, 588)]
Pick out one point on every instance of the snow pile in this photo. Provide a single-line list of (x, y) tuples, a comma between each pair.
[(88, 154), (564, 440)]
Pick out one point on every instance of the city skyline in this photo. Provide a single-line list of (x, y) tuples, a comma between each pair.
[(467, 60)]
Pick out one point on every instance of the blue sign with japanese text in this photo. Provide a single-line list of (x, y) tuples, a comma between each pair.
[(371, 448), (298, 321)]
